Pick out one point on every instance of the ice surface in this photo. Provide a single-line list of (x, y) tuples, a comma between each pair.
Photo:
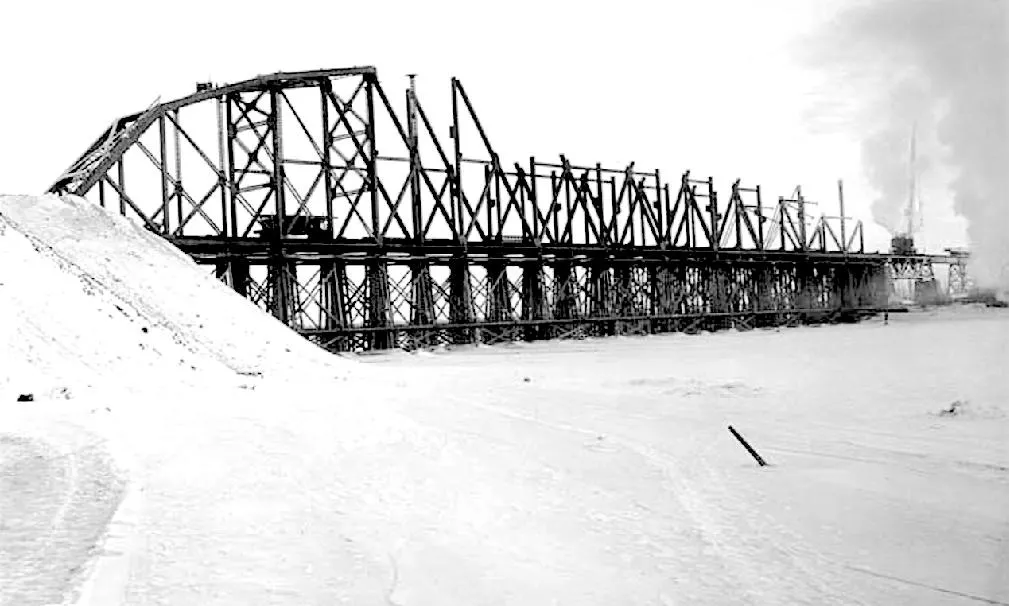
[(589, 472)]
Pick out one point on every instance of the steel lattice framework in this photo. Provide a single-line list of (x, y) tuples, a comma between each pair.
[(278, 183)]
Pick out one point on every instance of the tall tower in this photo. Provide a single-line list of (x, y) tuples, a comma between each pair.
[(903, 240), (912, 210)]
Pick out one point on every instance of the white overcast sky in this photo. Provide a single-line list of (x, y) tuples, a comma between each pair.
[(710, 85)]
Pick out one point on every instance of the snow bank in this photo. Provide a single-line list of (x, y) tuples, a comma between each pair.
[(115, 334), (90, 299)]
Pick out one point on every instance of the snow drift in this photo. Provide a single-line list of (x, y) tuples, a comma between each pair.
[(89, 299)]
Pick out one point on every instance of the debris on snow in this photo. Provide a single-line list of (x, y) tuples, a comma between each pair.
[(954, 409)]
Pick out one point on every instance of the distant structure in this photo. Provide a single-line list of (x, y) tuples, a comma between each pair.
[(960, 284), (913, 278), (277, 183), (903, 240)]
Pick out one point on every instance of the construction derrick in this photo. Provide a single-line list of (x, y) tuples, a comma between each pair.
[(279, 184)]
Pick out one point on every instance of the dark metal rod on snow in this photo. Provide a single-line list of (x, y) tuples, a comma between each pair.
[(749, 449)]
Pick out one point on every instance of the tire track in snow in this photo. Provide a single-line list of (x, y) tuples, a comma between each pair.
[(703, 580), (779, 562), (742, 538), (55, 505)]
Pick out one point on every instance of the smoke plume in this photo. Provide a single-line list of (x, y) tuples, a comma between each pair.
[(944, 65)]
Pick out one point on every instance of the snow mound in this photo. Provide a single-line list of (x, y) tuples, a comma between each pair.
[(90, 300), (965, 409)]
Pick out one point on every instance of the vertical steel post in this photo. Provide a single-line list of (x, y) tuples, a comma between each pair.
[(713, 211), (489, 234), (802, 219), (660, 210), (411, 125), (457, 139), (233, 186), (278, 161), (282, 282), (534, 202), (178, 172), (604, 235), (667, 226), (165, 211), (569, 218), (373, 159), (689, 209), (221, 177), (325, 88), (844, 220), (739, 210), (497, 196), (121, 177), (616, 210), (558, 236), (782, 214)]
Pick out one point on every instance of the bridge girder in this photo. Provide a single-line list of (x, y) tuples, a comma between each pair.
[(282, 175)]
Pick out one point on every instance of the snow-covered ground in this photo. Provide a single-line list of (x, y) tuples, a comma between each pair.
[(583, 472)]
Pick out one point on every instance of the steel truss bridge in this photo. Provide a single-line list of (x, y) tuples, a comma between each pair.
[(364, 227)]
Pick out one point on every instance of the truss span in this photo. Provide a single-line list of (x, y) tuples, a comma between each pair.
[(278, 183)]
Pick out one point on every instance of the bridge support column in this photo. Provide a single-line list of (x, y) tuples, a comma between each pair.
[(377, 277), (704, 289), (461, 300), (666, 296), (785, 293), (859, 293), (680, 292), (281, 282), (601, 293), (422, 303), (499, 306), (881, 284), (533, 303), (656, 297), (766, 287), (719, 274), (565, 304), (814, 290), (221, 271), (333, 293), (829, 291), (957, 281), (839, 286), (800, 286), (238, 275), (742, 294), (690, 295), (622, 302)]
